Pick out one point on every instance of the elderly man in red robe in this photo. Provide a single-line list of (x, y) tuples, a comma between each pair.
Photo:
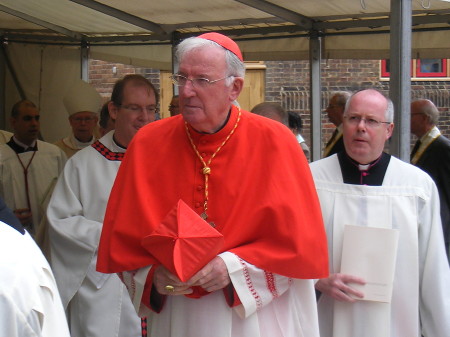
[(243, 174)]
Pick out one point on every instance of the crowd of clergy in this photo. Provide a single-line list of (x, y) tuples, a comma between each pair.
[(214, 223)]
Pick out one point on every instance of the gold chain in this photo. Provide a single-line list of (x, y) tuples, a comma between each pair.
[(207, 166)]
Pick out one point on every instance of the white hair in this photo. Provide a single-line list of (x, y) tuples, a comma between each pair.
[(235, 67)]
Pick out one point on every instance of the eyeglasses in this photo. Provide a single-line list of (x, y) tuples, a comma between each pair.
[(370, 122), (137, 108), (181, 81), (83, 119)]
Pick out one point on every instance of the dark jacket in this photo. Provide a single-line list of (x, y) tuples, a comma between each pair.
[(436, 162)]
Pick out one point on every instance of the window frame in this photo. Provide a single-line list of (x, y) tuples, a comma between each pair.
[(416, 74), (443, 73)]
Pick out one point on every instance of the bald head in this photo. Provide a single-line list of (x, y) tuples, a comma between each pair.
[(424, 116), (271, 110), (336, 106), (367, 125)]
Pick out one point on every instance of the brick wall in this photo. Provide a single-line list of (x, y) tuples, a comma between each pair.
[(103, 75), (288, 84)]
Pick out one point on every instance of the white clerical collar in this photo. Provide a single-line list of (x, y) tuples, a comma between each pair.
[(25, 146), (80, 145), (362, 167), (367, 167)]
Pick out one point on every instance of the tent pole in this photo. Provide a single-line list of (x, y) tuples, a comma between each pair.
[(400, 78), (315, 90), (2, 92), (175, 40), (84, 54)]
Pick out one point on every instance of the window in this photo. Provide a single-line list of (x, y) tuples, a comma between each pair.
[(431, 68), (421, 69), (385, 68)]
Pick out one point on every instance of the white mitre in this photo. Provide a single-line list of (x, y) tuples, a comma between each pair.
[(81, 96)]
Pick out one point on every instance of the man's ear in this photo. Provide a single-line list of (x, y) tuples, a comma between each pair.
[(390, 130), (237, 86), (112, 109)]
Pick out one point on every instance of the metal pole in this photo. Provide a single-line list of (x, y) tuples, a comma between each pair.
[(315, 89), (2, 92), (400, 78), (175, 41), (84, 54)]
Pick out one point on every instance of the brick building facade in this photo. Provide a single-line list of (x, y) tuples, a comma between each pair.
[(103, 75), (287, 82)]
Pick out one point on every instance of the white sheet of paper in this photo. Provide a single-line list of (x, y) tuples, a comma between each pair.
[(370, 253)]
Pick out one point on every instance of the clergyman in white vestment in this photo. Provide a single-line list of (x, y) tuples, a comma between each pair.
[(97, 304), (364, 186), (30, 305), (28, 167)]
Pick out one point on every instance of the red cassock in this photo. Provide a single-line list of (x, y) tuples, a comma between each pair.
[(262, 197)]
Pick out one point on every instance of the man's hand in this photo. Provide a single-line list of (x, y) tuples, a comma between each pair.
[(24, 215), (167, 283), (212, 277), (336, 286)]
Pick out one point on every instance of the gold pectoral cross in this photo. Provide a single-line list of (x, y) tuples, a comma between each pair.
[(207, 166)]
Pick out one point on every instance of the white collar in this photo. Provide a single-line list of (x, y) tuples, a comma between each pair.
[(25, 146)]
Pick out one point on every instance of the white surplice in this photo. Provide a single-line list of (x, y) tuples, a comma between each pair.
[(43, 171), (70, 145), (271, 305), (97, 304), (408, 201), (5, 136), (30, 305)]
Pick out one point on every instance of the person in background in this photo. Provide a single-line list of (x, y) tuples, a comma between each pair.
[(260, 283), (174, 106), (106, 123), (82, 103), (76, 211), (364, 186), (28, 167), (431, 153), (296, 125), (276, 112), (335, 112), (5, 136), (273, 111), (30, 304)]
